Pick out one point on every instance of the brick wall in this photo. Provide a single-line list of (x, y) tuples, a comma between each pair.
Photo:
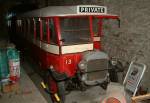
[(132, 40)]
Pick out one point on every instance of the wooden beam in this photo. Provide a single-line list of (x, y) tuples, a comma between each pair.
[(140, 98)]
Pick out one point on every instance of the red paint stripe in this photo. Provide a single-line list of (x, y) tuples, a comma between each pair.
[(57, 29)]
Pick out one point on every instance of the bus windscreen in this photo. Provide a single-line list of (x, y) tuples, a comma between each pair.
[(75, 30)]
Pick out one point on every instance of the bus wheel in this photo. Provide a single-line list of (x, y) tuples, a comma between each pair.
[(57, 90)]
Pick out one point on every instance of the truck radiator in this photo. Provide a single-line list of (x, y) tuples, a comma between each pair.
[(97, 69)]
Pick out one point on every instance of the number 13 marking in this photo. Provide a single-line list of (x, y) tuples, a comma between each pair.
[(68, 61)]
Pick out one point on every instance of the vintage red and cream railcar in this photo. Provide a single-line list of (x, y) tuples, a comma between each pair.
[(65, 40)]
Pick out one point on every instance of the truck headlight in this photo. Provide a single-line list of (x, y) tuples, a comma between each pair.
[(82, 65)]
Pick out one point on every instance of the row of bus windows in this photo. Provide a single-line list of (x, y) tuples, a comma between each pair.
[(37, 28)]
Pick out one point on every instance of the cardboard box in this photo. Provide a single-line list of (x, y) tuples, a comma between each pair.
[(10, 88), (15, 87), (6, 88)]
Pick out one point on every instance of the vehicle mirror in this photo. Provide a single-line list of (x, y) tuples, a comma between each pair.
[(63, 40), (119, 23)]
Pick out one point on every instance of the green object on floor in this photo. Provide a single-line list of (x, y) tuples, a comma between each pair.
[(4, 70)]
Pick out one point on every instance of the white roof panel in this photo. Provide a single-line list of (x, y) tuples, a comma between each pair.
[(68, 11)]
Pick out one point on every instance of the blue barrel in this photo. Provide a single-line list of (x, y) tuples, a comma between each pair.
[(4, 68)]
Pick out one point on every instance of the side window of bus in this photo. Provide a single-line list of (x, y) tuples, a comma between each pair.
[(31, 35), (19, 24), (24, 27), (44, 24), (53, 37), (28, 28), (37, 21), (21, 28)]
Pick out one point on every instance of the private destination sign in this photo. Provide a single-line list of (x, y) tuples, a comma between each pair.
[(92, 9)]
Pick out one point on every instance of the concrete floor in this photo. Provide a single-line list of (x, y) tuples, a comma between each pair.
[(92, 95), (32, 71)]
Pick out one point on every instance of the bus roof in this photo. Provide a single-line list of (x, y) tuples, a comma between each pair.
[(77, 10)]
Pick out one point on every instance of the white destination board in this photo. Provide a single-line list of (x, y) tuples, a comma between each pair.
[(85, 9)]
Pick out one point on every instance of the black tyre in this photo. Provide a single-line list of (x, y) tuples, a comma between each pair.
[(56, 88), (113, 75)]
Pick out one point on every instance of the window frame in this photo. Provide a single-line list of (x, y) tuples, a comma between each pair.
[(56, 29), (90, 27), (38, 37), (46, 23)]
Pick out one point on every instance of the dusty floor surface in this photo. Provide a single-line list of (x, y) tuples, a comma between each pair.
[(27, 92)]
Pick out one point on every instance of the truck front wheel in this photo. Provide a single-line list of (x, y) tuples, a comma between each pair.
[(57, 90)]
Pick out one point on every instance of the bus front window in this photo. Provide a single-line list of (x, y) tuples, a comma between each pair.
[(75, 30)]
